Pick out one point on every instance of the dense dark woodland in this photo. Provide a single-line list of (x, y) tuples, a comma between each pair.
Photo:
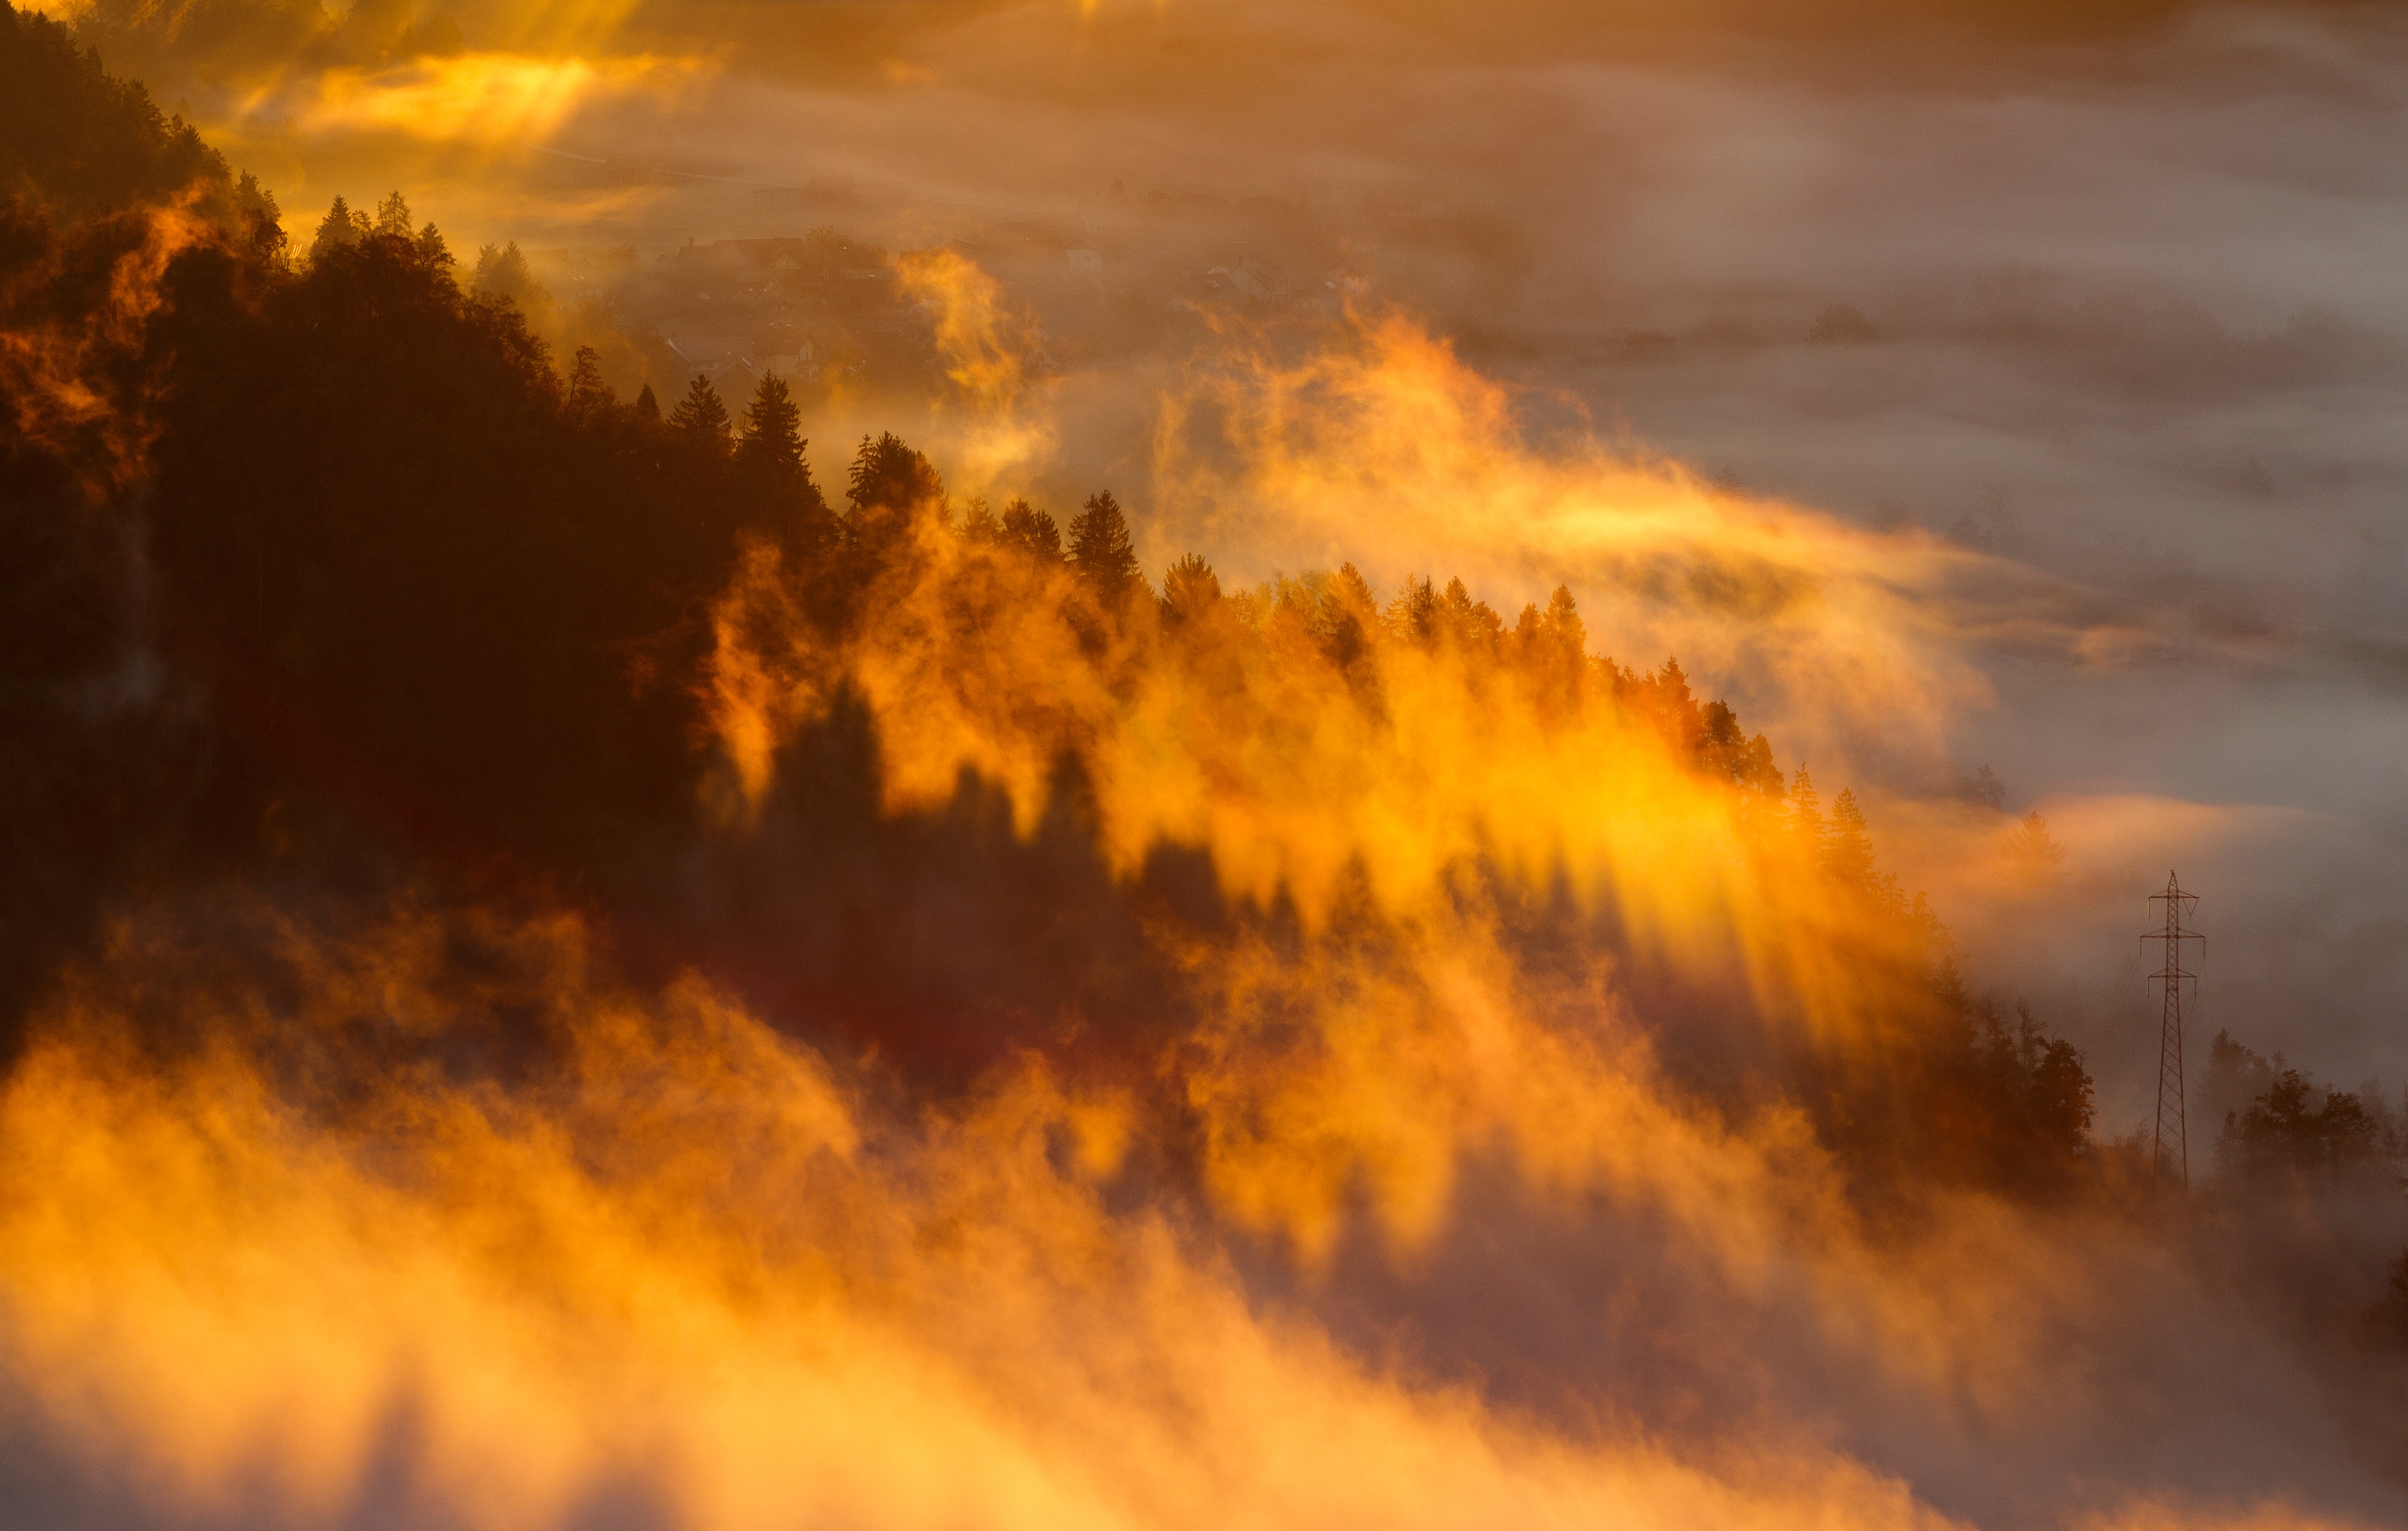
[(322, 585)]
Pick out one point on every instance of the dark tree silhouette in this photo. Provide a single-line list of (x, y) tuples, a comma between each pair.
[(700, 416), (1032, 530), (1190, 591), (772, 443), (588, 396), (888, 488), (773, 470), (340, 229), (888, 476), (981, 527), (1848, 846), (1101, 552), (80, 142), (433, 253), (1723, 751), (392, 217), (2299, 1129), (1345, 623), (2062, 1095)]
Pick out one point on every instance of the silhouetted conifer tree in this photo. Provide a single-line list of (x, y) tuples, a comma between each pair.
[(1032, 530), (888, 485), (432, 251), (339, 229), (888, 476), (770, 461), (1190, 590), (392, 218), (1563, 620), (1725, 753), (772, 445), (1346, 619), (2063, 1096), (1100, 548), (700, 415), (1847, 844), (1468, 625), (263, 221), (1552, 646), (648, 404), (980, 526), (1672, 706)]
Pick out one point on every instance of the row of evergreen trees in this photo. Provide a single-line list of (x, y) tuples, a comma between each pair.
[(888, 484)]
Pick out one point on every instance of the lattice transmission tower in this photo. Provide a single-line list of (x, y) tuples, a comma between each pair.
[(2173, 1134)]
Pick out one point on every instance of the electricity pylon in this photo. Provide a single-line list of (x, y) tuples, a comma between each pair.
[(2173, 1133)]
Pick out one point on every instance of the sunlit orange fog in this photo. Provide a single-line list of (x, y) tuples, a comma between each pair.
[(699, 1268), (1269, 916), (736, 1277)]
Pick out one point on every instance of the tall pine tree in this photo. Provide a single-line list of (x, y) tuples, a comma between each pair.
[(770, 463), (1190, 591), (339, 229), (700, 415), (1847, 844), (393, 217), (890, 480), (888, 486), (432, 250), (1101, 550), (772, 444), (1032, 530)]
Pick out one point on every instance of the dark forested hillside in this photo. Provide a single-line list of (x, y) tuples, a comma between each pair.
[(332, 579), (77, 141)]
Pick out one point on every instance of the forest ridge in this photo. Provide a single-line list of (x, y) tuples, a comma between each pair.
[(429, 605)]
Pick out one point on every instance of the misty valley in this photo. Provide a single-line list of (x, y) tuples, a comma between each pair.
[(944, 857)]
